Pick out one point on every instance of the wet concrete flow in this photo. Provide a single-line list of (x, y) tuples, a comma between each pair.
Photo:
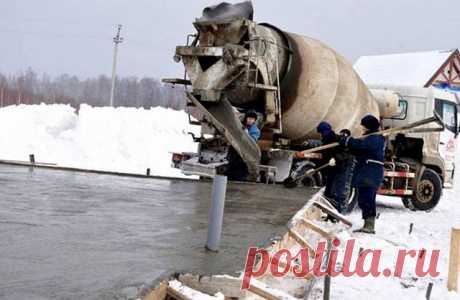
[(68, 235)]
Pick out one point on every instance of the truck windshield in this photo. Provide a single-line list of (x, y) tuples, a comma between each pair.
[(448, 111)]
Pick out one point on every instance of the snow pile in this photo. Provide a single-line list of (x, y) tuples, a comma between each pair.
[(111, 139)]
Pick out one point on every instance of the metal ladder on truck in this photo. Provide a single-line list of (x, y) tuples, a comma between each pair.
[(254, 66)]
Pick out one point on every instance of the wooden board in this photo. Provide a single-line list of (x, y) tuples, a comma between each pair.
[(333, 213), (309, 224), (229, 286), (158, 293), (454, 260)]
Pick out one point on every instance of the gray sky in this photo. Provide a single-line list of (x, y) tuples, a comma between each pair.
[(75, 36)]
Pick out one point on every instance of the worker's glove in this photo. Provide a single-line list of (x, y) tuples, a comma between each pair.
[(345, 132), (332, 162), (343, 141), (305, 144)]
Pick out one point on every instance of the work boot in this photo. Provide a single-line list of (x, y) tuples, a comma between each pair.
[(369, 226), (330, 218)]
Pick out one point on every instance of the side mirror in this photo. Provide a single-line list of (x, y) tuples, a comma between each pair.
[(438, 119)]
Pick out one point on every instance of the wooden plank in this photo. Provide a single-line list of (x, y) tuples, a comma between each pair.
[(317, 229), (176, 294), (282, 264), (262, 293), (326, 202), (285, 243), (261, 289), (312, 155), (227, 285), (313, 213), (158, 293), (333, 213), (179, 291), (454, 260), (301, 241)]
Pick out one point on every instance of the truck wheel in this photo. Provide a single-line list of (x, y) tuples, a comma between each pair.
[(407, 202), (290, 183), (315, 180), (428, 191), (352, 201), (299, 175)]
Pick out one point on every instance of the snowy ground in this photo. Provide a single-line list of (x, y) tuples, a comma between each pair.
[(431, 230), (111, 139)]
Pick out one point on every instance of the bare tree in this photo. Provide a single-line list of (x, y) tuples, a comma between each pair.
[(145, 92)]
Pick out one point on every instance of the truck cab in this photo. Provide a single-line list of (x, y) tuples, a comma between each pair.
[(429, 155)]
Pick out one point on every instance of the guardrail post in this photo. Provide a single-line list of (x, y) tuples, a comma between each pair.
[(216, 212)]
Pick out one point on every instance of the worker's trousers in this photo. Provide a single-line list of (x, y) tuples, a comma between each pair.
[(237, 169), (366, 201), (338, 184)]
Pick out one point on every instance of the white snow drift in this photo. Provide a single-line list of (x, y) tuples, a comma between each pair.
[(112, 139)]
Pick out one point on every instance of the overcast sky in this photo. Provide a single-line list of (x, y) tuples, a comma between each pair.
[(75, 36)]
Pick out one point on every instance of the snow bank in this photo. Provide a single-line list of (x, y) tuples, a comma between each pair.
[(111, 139)]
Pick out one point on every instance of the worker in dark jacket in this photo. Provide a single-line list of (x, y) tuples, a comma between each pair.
[(338, 174), (345, 164), (328, 136), (237, 169), (368, 174)]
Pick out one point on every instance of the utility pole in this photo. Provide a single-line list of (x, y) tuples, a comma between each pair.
[(116, 40), (2, 92), (18, 84)]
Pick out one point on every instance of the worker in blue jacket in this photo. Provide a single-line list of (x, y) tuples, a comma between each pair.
[(249, 122), (368, 173)]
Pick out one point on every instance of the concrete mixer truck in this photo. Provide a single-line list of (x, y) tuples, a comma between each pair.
[(233, 64)]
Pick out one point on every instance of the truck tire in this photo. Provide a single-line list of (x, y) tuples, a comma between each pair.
[(290, 183), (428, 191), (295, 177), (407, 202), (316, 180)]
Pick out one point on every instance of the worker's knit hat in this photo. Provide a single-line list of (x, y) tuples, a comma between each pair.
[(371, 123), (323, 127), (250, 114)]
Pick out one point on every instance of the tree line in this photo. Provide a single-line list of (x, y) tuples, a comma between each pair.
[(31, 88)]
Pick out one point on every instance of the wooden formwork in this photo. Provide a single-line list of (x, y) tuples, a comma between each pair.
[(304, 231)]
